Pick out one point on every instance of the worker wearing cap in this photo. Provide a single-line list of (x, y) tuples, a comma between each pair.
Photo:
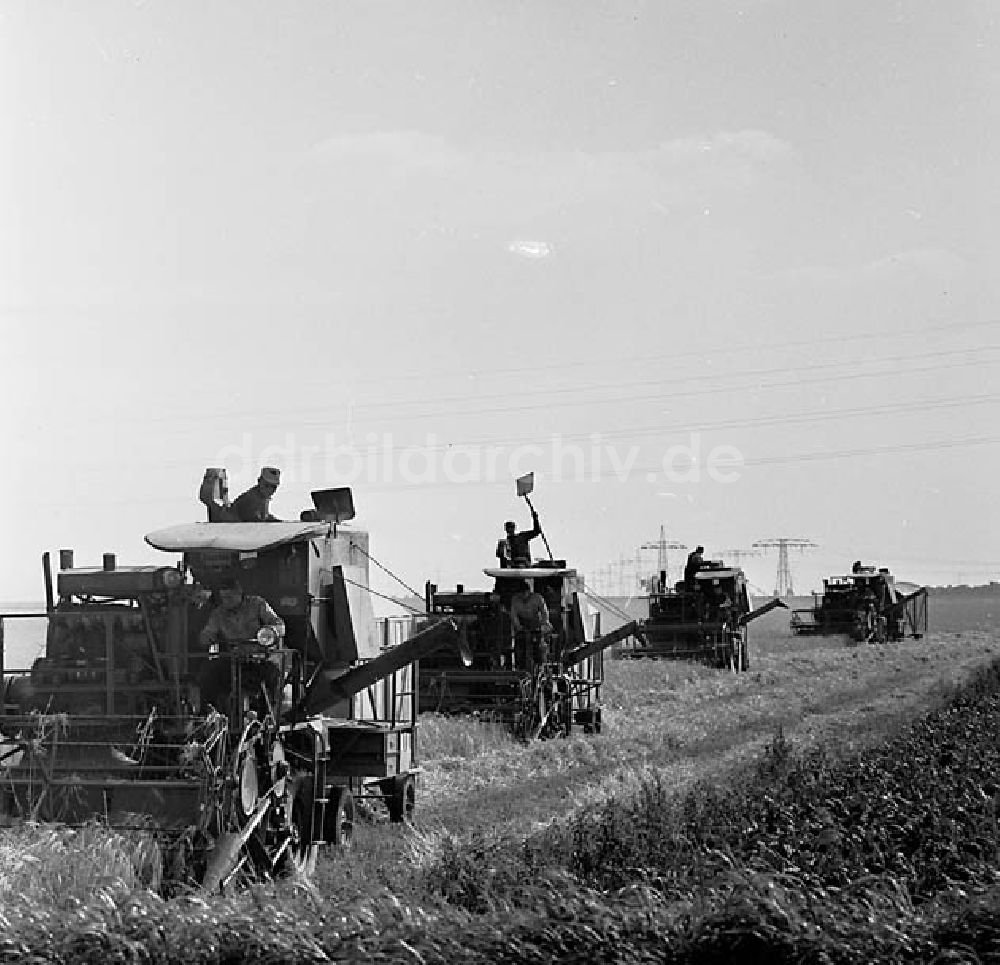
[(254, 505), (513, 550), (236, 619)]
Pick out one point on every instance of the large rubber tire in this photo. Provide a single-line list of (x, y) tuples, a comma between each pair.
[(300, 856), (338, 828), (567, 716), (743, 652), (402, 800)]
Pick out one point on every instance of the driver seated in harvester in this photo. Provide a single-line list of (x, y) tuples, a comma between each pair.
[(237, 618)]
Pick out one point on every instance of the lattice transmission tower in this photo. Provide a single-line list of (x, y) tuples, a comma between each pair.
[(735, 556), (662, 545), (783, 582)]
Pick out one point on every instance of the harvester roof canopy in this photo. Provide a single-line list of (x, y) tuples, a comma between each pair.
[(526, 572), (233, 537), (725, 574)]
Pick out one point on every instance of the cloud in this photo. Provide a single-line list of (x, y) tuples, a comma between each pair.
[(751, 145), (936, 263), (393, 148), (931, 264), (509, 187), (530, 249)]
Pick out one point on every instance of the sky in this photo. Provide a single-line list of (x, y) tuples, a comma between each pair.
[(730, 268)]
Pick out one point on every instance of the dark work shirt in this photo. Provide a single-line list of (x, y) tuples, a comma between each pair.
[(253, 507), (514, 550), (241, 624), (529, 612), (694, 563)]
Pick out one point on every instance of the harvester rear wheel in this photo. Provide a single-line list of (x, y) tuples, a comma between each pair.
[(402, 801), (339, 824), (301, 854), (742, 651), (592, 723), (564, 721)]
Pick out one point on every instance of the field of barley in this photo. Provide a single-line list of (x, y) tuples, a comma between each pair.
[(838, 802)]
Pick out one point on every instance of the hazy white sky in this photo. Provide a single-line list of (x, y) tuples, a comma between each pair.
[(390, 243)]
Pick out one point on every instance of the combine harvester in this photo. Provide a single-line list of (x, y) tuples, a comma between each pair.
[(110, 725), (868, 605), (705, 620), (540, 683)]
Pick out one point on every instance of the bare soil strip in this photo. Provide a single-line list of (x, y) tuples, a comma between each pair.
[(694, 723), (686, 722)]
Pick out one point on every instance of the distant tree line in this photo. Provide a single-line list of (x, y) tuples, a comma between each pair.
[(963, 589)]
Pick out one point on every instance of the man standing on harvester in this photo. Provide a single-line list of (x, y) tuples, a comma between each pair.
[(254, 506), (514, 550)]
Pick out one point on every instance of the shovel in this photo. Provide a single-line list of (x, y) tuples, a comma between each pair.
[(526, 485)]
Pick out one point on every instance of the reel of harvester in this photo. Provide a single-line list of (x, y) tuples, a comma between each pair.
[(256, 810), (546, 705)]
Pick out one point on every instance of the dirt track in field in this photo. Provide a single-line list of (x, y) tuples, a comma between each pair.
[(692, 723)]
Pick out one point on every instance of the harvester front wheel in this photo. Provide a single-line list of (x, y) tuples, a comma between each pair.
[(339, 824), (402, 800)]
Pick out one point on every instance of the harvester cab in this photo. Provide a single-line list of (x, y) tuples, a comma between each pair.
[(704, 620), (111, 722), (867, 605)]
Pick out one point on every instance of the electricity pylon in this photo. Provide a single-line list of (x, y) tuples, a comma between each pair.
[(661, 546), (737, 556), (783, 582)]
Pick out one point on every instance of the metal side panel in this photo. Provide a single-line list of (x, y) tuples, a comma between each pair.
[(360, 749)]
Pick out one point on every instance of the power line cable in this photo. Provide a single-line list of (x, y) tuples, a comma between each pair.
[(725, 386), (705, 377), (893, 408), (798, 418), (202, 416), (659, 396)]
